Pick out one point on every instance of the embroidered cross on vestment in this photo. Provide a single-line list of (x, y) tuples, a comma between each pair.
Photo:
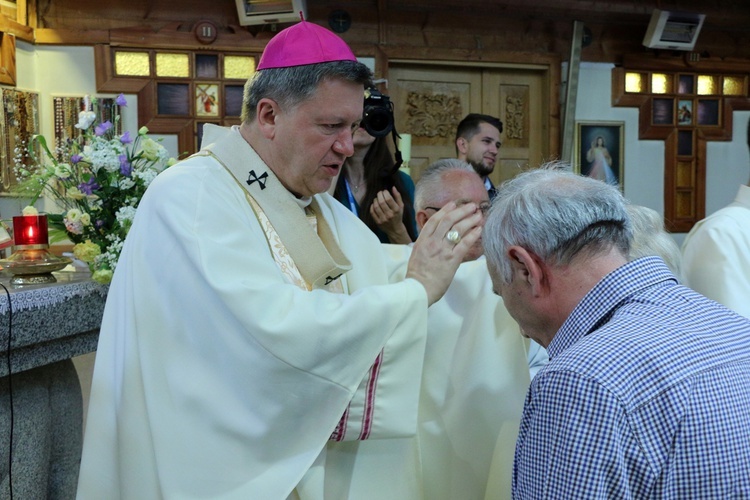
[(254, 177)]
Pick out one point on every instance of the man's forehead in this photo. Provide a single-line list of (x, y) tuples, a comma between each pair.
[(336, 98), (487, 131), (464, 192)]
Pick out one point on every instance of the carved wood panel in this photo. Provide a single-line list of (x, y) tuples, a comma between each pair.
[(430, 101)]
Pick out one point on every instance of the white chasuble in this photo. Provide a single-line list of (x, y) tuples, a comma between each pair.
[(474, 383), (216, 376)]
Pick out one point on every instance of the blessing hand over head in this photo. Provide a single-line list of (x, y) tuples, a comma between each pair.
[(442, 245)]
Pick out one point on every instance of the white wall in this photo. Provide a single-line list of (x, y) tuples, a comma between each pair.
[(727, 163)]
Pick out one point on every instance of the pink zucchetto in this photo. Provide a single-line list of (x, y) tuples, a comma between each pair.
[(304, 43)]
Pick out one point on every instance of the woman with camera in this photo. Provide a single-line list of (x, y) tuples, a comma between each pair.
[(379, 194)]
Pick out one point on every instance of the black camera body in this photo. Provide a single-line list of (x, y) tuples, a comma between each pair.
[(377, 118)]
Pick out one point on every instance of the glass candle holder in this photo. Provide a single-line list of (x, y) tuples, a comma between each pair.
[(30, 230), (31, 262)]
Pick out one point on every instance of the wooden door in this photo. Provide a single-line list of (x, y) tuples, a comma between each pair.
[(518, 98), (430, 101)]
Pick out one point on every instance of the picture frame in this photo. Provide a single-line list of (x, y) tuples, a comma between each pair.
[(685, 112), (207, 99), (599, 151), (19, 122)]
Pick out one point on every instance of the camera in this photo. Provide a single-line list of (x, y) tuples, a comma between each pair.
[(377, 118)]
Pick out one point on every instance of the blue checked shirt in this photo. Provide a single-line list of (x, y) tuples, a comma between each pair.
[(647, 395)]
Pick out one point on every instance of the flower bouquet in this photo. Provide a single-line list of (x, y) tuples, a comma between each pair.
[(98, 180)]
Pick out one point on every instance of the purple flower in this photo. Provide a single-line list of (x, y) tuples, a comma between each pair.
[(89, 186), (75, 158), (125, 138), (125, 167), (121, 101), (102, 128), (99, 224)]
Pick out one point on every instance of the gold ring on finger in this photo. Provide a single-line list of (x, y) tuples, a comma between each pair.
[(453, 236)]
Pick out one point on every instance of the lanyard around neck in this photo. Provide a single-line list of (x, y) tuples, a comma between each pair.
[(350, 196)]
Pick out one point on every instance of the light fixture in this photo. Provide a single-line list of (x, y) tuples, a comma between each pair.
[(673, 30), (270, 11), (31, 262)]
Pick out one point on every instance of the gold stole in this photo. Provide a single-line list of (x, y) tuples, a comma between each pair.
[(281, 254), (315, 251)]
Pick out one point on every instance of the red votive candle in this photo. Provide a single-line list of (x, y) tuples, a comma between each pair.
[(30, 230)]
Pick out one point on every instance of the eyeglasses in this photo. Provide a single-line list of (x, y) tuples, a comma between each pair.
[(484, 207)]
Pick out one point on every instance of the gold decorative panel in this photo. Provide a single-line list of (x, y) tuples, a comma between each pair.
[(132, 63), (660, 83), (633, 82), (734, 85), (239, 67), (172, 65), (433, 115), (707, 85)]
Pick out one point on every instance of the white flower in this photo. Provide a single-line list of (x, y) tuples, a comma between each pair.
[(125, 216), (62, 171), (73, 214), (85, 219), (73, 226), (145, 175), (85, 119), (101, 154), (152, 150), (30, 210)]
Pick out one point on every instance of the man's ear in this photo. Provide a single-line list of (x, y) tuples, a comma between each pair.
[(421, 217), (529, 268), (267, 114), (462, 145)]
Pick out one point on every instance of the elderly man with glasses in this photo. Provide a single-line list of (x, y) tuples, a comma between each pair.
[(477, 366), (445, 181)]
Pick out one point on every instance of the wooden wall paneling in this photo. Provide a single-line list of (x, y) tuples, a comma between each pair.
[(7, 59), (106, 80), (20, 31)]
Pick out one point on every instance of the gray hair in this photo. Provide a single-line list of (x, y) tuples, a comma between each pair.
[(556, 215), (293, 85), (650, 238), (430, 183)]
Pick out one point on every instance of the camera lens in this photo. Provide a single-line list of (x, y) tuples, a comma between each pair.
[(377, 118), (378, 121)]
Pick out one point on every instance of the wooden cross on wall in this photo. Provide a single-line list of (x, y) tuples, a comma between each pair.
[(686, 103)]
